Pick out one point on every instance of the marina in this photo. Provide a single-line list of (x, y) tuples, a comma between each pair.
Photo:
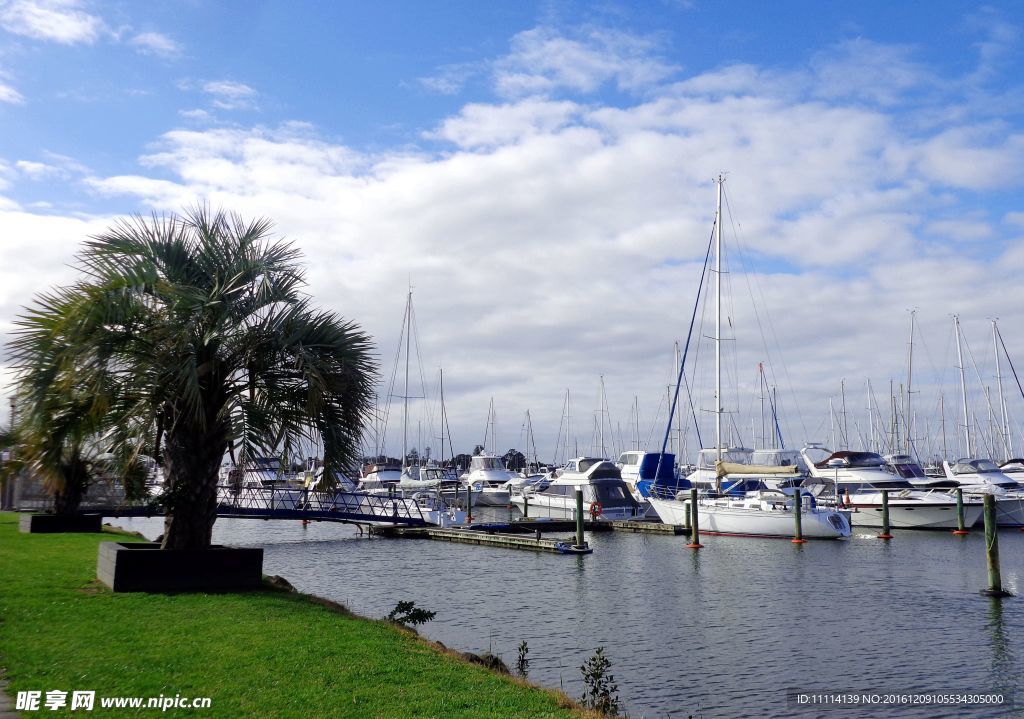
[(683, 628)]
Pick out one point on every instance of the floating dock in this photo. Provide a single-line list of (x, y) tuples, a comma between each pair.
[(524, 534)]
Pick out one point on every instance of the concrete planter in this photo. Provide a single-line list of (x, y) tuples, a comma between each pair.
[(52, 523), (144, 567)]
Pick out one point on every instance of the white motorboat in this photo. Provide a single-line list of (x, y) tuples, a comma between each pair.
[(979, 477), (605, 495), (856, 481), (380, 475), (489, 479)]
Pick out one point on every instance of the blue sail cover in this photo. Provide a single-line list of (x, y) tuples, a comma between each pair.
[(666, 476)]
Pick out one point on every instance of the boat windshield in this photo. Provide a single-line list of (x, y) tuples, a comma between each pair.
[(706, 458), (588, 462), (908, 470), (613, 494), (974, 466), (486, 462), (853, 459)]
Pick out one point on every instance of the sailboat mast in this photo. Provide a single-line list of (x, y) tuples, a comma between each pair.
[(963, 387), (405, 398), (1004, 431), (718, 322), (910, 379), (872, 442)]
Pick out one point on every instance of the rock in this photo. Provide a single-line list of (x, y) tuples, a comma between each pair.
[(486, 659)]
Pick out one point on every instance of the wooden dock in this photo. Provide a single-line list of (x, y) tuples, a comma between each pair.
[(526, 534), (489, 539)]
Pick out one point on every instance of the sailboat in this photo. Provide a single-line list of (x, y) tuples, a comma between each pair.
[(757, 511), (425, 485)]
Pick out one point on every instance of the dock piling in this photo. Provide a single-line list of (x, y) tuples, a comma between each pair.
[(580, 544), (694, 522), (798, 537), (960, 530), (995, 582), (885, 516)]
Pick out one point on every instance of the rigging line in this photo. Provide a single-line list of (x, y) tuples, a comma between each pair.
[(1009, 361), (767, 321), (981, 382), (686, 349)]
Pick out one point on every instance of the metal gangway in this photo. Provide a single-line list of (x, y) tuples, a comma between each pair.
[(265, 502)]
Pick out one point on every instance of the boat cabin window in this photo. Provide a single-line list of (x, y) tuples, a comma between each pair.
[(630, 459), (908, 470), (587, 463), (706, 458), (854, 459), (891, 484), (486, 462)]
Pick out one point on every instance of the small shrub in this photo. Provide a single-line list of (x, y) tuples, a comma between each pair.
[(409, 615), (523, 663), (601, 693)]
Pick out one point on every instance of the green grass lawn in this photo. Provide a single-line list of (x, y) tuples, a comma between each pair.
[(255, 654)]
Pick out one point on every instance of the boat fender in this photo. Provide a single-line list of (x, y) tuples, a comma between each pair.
[(595, 510)]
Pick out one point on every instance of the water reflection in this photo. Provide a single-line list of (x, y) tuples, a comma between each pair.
[(722, 631)]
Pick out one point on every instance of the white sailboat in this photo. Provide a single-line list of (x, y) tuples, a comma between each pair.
[(761, 512)]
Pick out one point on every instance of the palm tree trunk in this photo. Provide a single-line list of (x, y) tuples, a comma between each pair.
[(68, 497), (191, 461)]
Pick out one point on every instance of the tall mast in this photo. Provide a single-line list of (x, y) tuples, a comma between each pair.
[(910, 378), (718, 322), (760, 371), (963, 387), (872, 442), (405, 398), (1004, 431), (679, 410)]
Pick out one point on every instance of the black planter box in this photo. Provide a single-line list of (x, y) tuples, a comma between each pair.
[(144, 567), (52, 523)]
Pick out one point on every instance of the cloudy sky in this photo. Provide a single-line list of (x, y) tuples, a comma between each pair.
[(543, 175)]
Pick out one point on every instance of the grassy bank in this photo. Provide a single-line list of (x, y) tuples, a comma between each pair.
[(255, 654)]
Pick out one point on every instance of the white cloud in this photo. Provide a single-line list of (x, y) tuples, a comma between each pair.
[(480, 125), (154, 43), (9, 95), (38, 170), (556, 241), (62, 21), (543, 60), (974, 157), (230, 95), (195, 114), (449, 79)]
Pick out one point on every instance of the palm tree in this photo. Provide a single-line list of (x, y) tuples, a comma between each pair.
[(189, 334)]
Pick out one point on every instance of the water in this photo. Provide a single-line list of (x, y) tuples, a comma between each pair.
[(726, 631)]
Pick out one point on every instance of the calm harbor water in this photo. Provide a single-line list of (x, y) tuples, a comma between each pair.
[(727, 631)]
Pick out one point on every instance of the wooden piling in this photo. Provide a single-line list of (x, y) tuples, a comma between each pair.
[(580, 544), (885, 516), (995, 582), (960, 530), (798, 537), (694, 522)]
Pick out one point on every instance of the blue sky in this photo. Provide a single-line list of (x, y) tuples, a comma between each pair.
[(542, 171)]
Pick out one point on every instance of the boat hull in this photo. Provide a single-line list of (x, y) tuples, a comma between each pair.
[(720, 518), (917, 516), (541, 506)]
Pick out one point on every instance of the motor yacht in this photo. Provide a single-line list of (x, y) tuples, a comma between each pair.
[(605, 495), (857, 479)]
